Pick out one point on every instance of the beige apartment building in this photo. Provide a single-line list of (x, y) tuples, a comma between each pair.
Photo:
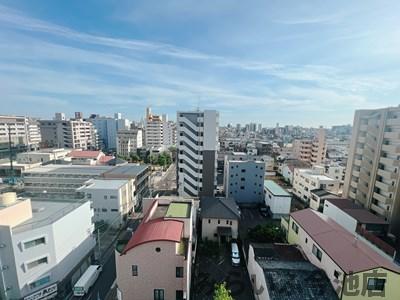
[(372, 179), (311, 150), (128, 141)]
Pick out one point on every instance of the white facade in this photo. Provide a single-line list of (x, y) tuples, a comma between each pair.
[(197, 145), (74, 134), (169, 134), (128, 141), (110, 199), (306, 180), (24, 131), (277, 199), (44, 242), (209, 227), (339, 216), (154, 133), (42, 156)]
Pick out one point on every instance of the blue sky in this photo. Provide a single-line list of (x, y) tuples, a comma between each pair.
[(293, 62)]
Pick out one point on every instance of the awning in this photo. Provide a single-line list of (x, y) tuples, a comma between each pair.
[(224, 231)]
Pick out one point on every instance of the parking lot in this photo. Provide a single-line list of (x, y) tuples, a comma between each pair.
[(210, 270), (251, 217)]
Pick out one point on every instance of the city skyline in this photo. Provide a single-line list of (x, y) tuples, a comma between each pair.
[(234, 58)]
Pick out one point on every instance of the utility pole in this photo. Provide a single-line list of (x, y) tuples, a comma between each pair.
[(10, 150)]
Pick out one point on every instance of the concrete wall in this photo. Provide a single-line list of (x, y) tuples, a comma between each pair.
[(208, 230), (257, 277), (245, 187), (279, 205), (340, 217)]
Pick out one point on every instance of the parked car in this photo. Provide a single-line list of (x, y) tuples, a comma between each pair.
[(235, 254)]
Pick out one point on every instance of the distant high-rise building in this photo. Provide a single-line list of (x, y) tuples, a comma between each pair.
[(153, 130), (311, 150), (128, 141), (59, 116), (197, 145), (373, 166), (73, 133), (107, 128), (259, 127), (78, 115), (25, 134)]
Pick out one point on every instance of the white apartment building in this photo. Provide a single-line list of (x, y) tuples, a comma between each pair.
[(169, 133), (107, 129), (197, 146), (311, 150), (24, 131), (110, 200), (128, 141), (154, 133), (373, 166), (306, 180), (45, 246), (42, 155), (244, 179), (73, 133)]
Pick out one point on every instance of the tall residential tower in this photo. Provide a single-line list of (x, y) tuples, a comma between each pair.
[(197, 143)]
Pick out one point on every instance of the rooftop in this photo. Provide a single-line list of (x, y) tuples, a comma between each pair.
[(275, 189), (323, 193), (350, 254), (357, 212), (70, 169), (84, 154), (46, 212), (219, 208), (178, 210), (128, 170), (105, 184), (289, 276)]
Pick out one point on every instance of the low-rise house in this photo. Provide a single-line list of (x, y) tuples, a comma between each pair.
[(86, 157), (286, 168), (45, 246), (156, 262), (111, 200), (344, 258), (318, 197), (279, 271), (305, 180), (277, 199), (219, 219)]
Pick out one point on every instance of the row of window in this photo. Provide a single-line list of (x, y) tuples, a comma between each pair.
[(105, 209), (178, 271), (219, 222)]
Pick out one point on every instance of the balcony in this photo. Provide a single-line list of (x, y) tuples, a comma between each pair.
[(368, 153), (363, 188), (354, 184), (352, 195), (391, 135), (387, 174), (380, 198), (364, 176), (363, 127), (356, 173), (357, 162), (361, 139), (393, 121), (373, 130), (359, 151), (379, 210), (389, 161), (391, 148), (384, 186)]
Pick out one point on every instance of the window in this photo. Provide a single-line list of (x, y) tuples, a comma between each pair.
[(89, 196), (179, 295), (209, 221), (36, 263), (219, 221), (306, 240), (158, 249), (227, 222), (113, 197), (243, 170), (336, 274), (105, 196), (158, 294), (34, 243), (376, 284), (179, 272), (295, 227), (104, 209), (39, 282), (317, 252), (134, 270)]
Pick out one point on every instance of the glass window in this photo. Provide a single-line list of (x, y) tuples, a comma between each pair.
[(377, 284), (179, 295), (134, 270), (179, 272), (36, 263), (39, 282), (317, 252), (35, 243), (295, 227), (158, 294)]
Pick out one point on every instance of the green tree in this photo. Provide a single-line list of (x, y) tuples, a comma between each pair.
[(221, 292), (134, 157), (162, 161)]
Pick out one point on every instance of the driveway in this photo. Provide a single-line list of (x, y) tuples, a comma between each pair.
[(211, 270)]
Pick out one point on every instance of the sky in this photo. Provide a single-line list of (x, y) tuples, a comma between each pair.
[(294, 62)]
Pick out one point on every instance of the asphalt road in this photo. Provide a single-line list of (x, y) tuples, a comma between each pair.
[(103, 284), (168, 180)]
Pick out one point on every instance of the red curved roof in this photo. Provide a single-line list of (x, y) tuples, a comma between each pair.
[(156, 230), (84, 154)]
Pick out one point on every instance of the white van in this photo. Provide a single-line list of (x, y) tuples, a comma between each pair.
[(235, 254)]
